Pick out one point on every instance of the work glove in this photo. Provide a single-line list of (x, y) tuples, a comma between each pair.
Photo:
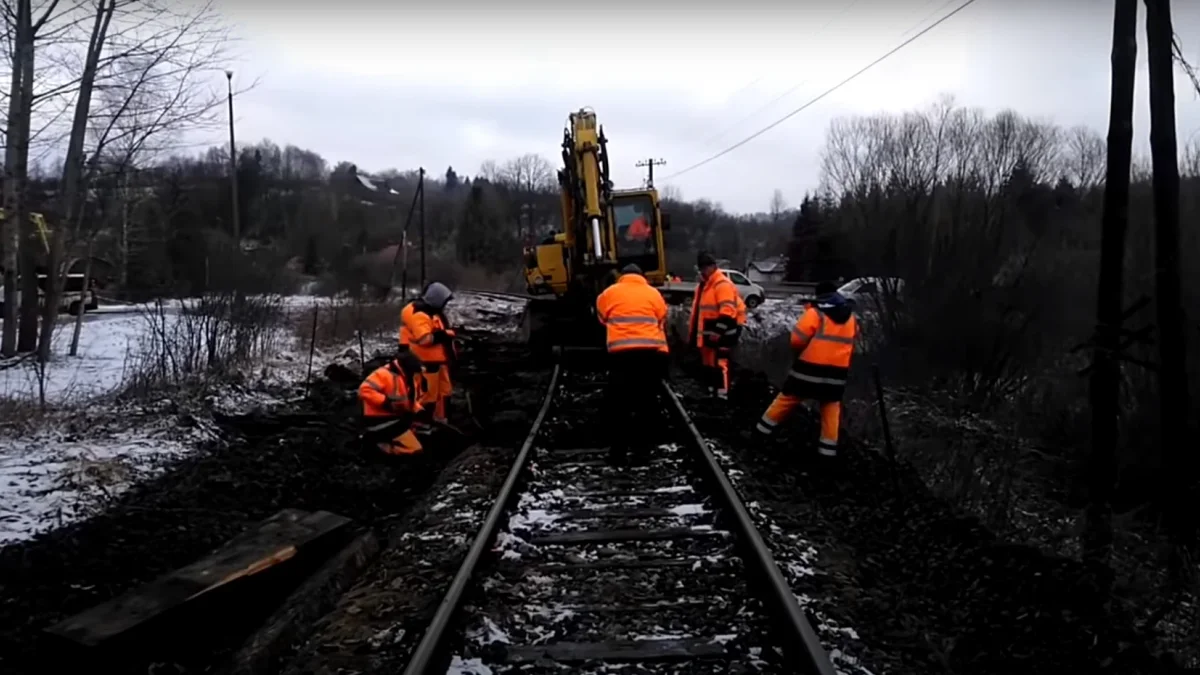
[(441, 337)]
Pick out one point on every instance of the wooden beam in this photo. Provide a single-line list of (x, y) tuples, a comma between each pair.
[(617, 650), (272, 543)]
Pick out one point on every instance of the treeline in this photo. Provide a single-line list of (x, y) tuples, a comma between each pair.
[(994, 224), (168, 227)]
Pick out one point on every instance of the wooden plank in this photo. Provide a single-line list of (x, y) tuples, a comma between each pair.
[(617, 650), (605, 514), (687, 490), (575, 452), (271, 543), (603, 536), (290, 624)]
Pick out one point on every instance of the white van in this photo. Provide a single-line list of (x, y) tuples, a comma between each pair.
[(74, 298)]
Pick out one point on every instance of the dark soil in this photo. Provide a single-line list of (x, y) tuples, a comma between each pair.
[(927, 589), (306, 459), (379, 621)]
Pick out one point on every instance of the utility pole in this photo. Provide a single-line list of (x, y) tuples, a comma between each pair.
[(421, 208), (1178, 461), (233, 181), (650, 164)]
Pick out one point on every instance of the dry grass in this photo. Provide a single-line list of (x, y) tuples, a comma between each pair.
[(203, 342), (338, 323)]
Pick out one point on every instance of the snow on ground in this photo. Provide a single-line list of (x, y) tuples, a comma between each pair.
[(60, 466), (772, 318), (795, 557)]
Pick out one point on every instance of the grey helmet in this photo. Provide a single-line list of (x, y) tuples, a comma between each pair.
[(436, 295)]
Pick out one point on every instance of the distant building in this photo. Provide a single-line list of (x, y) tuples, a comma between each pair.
[(770, 271)]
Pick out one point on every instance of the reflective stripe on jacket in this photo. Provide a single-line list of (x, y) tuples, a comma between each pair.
[(387, 385), (824, 348), (714, 311), (416, 332), (634, 314)]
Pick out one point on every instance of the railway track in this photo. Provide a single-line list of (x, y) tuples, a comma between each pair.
[(582, 567)]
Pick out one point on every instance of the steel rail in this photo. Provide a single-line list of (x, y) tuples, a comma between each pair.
[(806, 648), (434, 636)]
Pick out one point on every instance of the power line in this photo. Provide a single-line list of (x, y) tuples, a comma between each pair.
[(775, 100), (789, 92), (822, 95)]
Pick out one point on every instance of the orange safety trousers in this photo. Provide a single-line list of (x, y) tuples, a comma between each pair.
[(438, 388), (716, 360), (404, 443), (785, 405)]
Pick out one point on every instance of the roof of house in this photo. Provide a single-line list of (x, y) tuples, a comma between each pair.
[(769, 266)]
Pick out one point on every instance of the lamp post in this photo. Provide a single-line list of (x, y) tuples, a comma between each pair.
[(233, 181)]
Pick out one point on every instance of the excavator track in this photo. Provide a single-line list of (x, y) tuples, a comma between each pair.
[(586, 567)]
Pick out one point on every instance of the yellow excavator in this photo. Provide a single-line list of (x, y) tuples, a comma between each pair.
[(603, 230), (39, 226)]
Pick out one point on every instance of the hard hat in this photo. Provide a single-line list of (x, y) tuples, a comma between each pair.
[(704, 259), (436, 295), (825, 288), (631, 268)]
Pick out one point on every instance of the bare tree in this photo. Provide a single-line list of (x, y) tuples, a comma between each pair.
[(154, 93), (1083, 157), (527, 174), (778, 206)]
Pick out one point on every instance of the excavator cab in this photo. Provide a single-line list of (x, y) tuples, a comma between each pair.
[(637, 223)]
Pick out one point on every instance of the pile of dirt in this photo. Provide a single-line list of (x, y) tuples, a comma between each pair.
[(304, 459), (926, 588), (379, 621)]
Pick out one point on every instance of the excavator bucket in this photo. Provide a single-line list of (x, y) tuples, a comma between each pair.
[(554, 324)]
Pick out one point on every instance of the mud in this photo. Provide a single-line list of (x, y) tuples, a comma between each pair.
[(925, 588), (303, 458)]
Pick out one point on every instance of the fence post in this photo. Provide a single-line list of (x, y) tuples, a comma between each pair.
[(887, 432), (312, 347)]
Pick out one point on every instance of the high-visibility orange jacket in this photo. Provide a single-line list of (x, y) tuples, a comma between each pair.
[(425, 335), (634, 314), (713, 321), (388, 391), (823, 339), (639, 229), (741, 310)]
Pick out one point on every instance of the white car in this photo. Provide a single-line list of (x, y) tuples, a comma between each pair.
[(866, 290), (681, 291), (752, 294)]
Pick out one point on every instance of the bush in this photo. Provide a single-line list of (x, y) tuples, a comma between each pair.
[(200, 341)]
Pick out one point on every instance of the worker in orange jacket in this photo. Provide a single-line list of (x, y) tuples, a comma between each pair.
[(823, 339), (713, 324), (634, 315), (391, 400), (426, 333)]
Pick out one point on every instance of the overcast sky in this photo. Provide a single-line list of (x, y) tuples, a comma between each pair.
[(456, 83)]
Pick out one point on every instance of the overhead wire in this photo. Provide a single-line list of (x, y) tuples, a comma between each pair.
[(805, 81), (823, 94), (775, 100)]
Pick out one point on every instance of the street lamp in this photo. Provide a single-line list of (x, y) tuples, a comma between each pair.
[(233, 181)]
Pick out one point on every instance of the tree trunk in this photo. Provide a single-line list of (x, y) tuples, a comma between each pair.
[(1104, 385), (71, 192), (1174, 403), (26, 250), (15, 137), (87, 280)]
